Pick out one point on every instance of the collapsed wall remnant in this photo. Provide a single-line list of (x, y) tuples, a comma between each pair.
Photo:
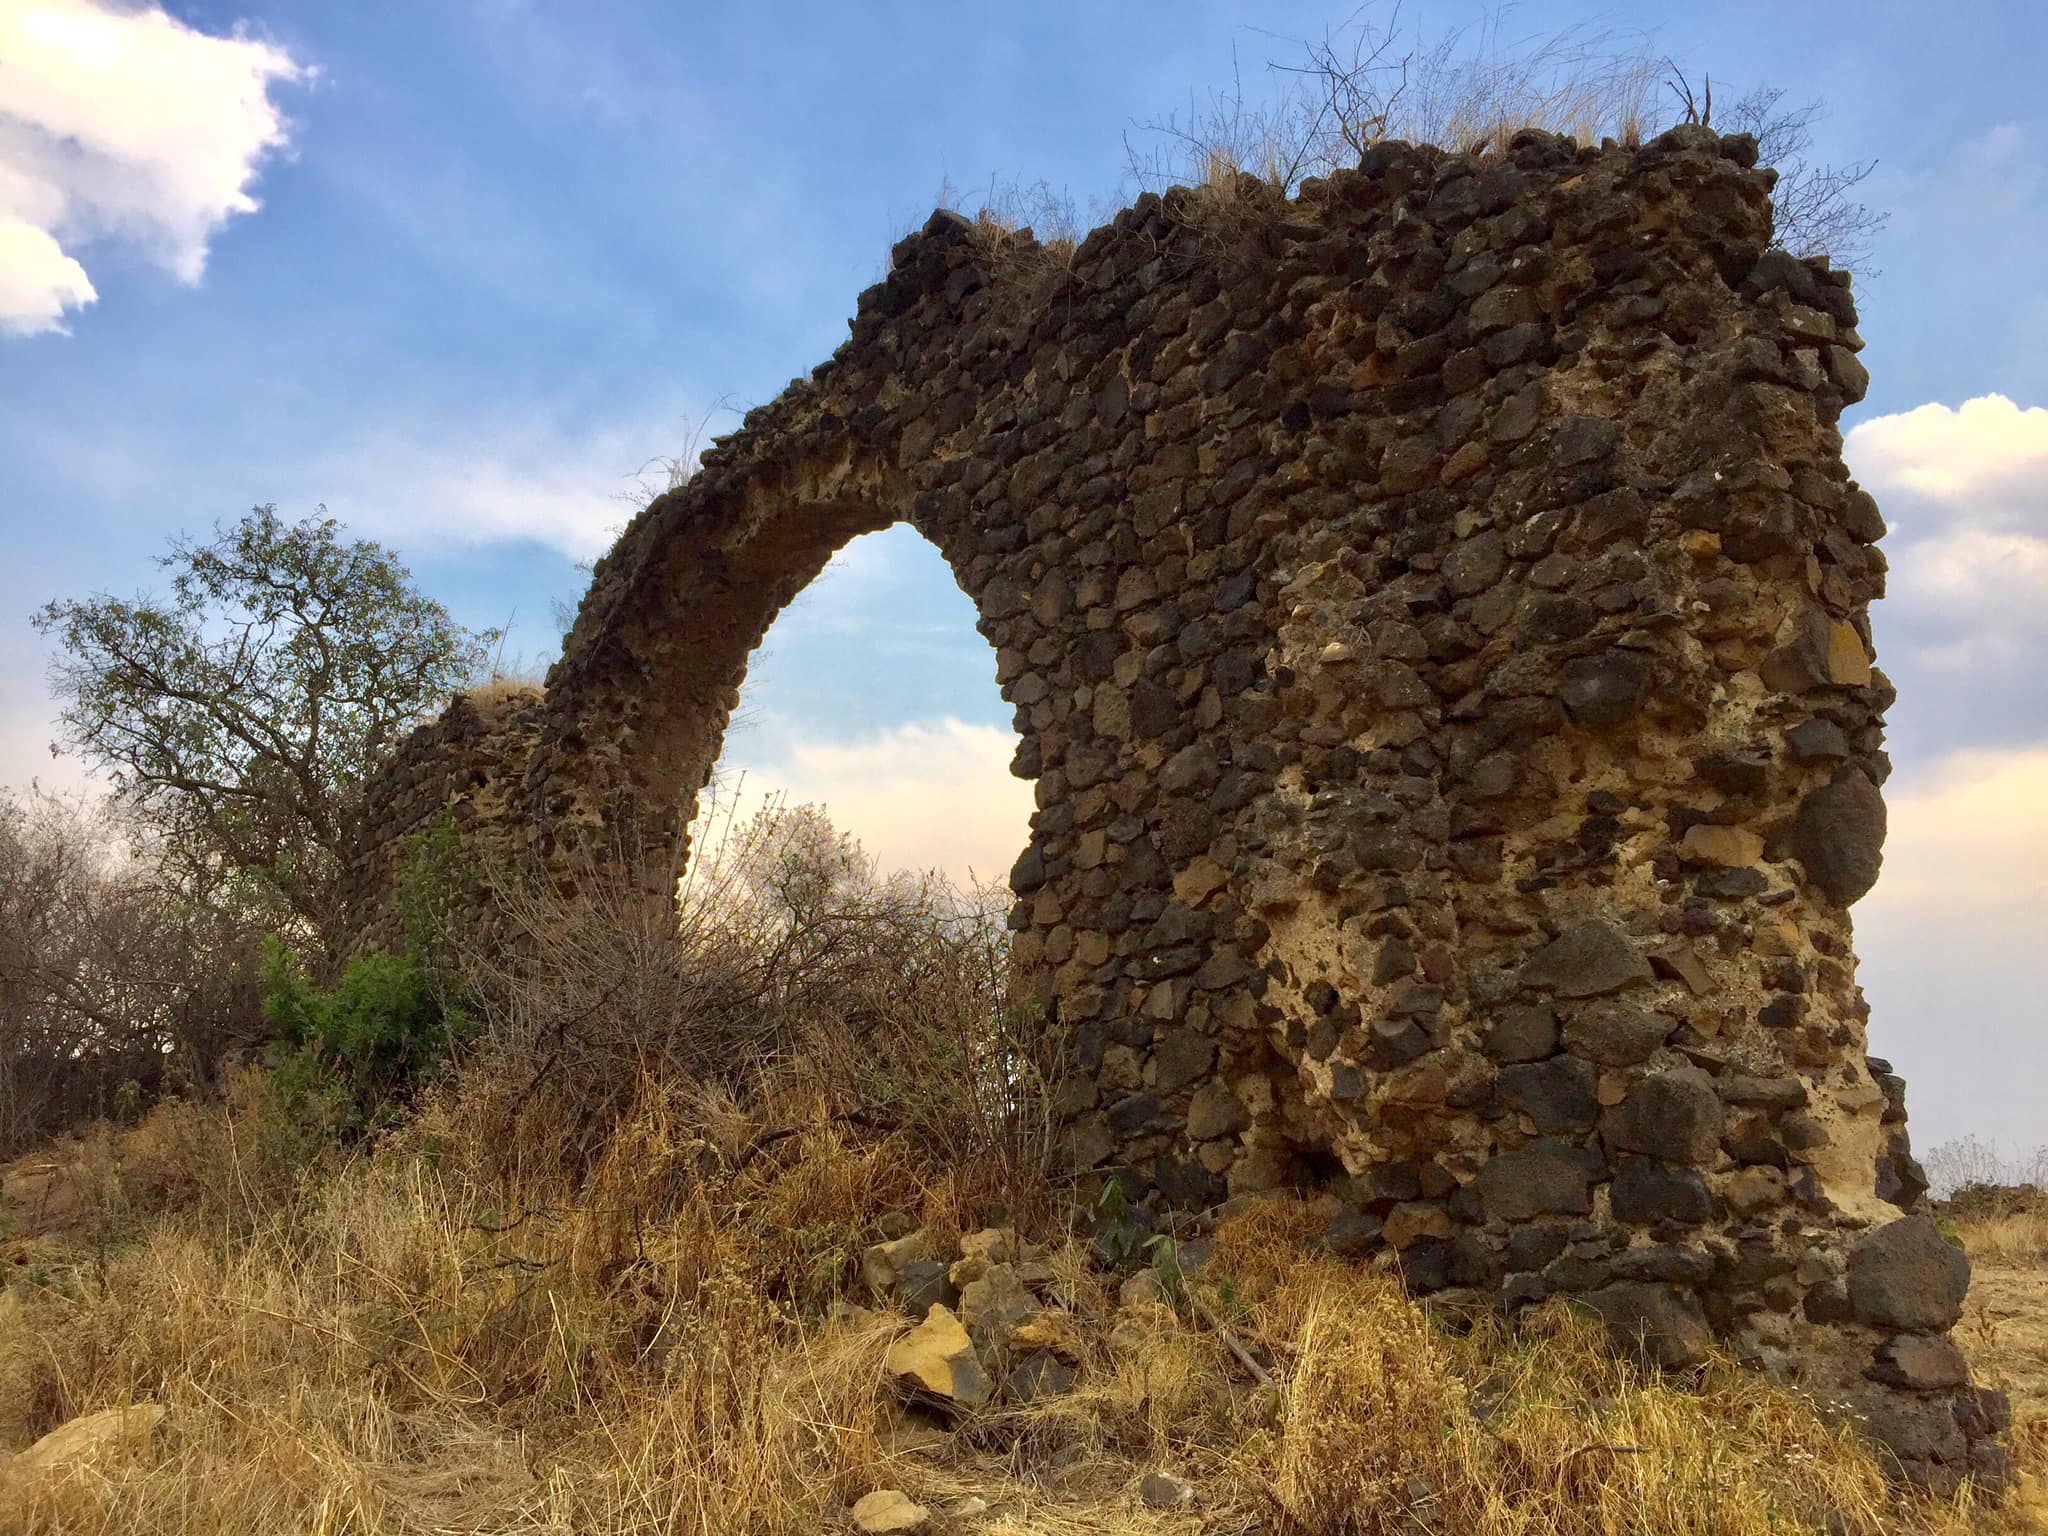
[(1435, 611)]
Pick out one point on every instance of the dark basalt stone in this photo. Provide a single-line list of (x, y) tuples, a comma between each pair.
[(1838, 836)]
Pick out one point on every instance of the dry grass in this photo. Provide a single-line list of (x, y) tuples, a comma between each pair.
[(1468, 90), (2005, 1322), (404, 1344), (504, 692)]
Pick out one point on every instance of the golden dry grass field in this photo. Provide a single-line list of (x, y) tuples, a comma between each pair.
[(392, 1342)]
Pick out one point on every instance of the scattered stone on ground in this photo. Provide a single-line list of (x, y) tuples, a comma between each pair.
[(92, 1438), (889, 1509), (939, 1357)]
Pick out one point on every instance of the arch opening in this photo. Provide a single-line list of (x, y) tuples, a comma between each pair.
[(871, 696)]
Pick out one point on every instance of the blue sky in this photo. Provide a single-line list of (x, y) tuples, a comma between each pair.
[(507, 255)]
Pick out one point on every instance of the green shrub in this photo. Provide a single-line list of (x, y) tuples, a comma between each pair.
[(360, 1048)]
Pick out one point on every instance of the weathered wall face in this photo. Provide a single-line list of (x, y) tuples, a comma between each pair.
[(1435, 610)]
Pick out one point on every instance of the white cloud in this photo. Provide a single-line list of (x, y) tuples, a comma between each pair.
[(119, 121), (38, 282), (923, 795), (1986, 459), (1966, 491)]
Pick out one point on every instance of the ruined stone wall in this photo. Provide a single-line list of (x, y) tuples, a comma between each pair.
[(470, 763), (1435, 611)]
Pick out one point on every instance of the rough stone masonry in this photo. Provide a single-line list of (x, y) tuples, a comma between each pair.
[(1435, 611)]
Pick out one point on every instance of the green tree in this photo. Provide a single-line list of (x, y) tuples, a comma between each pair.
[(237, 714)]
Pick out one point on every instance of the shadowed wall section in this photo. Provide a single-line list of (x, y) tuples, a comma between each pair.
[(1435, 611)]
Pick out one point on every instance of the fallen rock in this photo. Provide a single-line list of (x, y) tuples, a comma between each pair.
[(980, 1250), (992, 1245), (1140, 1290), (1906, 1275), (1037, 1375), (882, 1263), (888, 1509), (92, 1437), (992, 1306), (1051, 1328), (920, 1285), (939, 1358)]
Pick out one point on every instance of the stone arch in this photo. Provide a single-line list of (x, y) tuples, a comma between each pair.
[(1436, 614), (697, 590)]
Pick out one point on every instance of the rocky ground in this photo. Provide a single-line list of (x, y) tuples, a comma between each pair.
[(833, 1350)]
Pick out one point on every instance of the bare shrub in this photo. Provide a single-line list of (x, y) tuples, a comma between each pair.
[(1816, 213), (785, 968), (114, 985), (1971, 1162)]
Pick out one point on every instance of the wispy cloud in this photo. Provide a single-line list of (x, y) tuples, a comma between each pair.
[(527, 478), (932, 794)]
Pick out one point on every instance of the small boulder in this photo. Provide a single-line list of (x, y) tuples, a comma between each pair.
[(921, 1284), (1038, 1375), (978, 1250), (992, 1306), (93, 1437), (1907, 1276), (938, 1358), (882, 1263), (1142, 1289), (1663, 1324), (1052, 1329), (888, 1509)]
